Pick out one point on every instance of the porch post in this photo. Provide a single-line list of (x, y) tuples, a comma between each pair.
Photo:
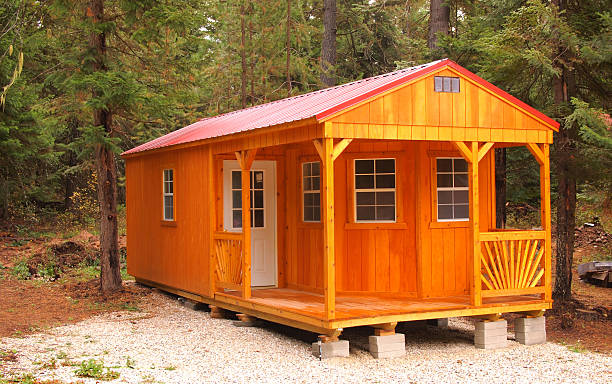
[(475, 298), (245, 159), (545, 216), (212, 220), (329, 256)]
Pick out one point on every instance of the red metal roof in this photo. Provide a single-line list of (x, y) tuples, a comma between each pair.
[(318, 104)]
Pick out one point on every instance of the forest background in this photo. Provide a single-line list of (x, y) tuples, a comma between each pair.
[(82, 81)]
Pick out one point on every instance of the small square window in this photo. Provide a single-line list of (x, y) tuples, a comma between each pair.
[(447, 84)]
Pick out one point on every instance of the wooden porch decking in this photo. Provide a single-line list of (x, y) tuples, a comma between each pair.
[(358, 307)]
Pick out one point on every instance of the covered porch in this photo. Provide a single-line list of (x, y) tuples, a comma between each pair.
[(508, 270)]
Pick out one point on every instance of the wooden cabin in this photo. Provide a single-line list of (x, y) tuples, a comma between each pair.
[(371, 203)]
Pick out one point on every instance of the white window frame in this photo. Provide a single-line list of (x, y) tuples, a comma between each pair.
[(394, 190), (450, 189), (166, 194), (252, 197), (311, 192)]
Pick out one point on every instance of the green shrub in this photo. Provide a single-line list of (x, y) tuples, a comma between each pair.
[(95, 369), (21, 270)]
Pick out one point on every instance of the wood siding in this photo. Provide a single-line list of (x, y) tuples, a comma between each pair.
[(416, 112)]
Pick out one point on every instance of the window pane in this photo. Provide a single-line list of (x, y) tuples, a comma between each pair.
[(306, 169), (316, 214), (364, 166), (316, 169), (171, 187), (385, 213), (385, 181), (447, 84), (236, 180), (259, 179), (168, 213), (259, 218), (316, 199), (461, 180), (455, 85), (462, 211), (445, 180), (308, 197), (385, 198), (364, 181), (445, 212), (460, 165), (236, 219), (166, 187), (438, 84), (444, 165), (460, 197), (385, 166), (236, 199), (259, 199), (365, 213), (365, 198), (445, 197), (308, 214), (307, 184), (315, 183), (168, 207)]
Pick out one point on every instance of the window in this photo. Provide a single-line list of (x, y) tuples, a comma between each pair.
[(168, 195), (452, 189), (311, 179), (375, 190), (257, 199), (446, 84)]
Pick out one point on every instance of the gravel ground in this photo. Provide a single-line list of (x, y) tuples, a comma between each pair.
[(168, 343)]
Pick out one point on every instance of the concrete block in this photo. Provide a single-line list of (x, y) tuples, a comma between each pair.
[(490, 325), (491, 334), (388, 346), (338, 348), (499, 345), (530, 330), (442, 323), (388, 354)]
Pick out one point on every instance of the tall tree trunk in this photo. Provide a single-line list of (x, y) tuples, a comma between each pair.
[(439, 22), (500, 188), (565, 156), (288, 44), (110, 274), (243, 75), (71, 161), (328, 45)]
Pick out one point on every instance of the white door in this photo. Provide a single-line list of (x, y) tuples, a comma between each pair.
[(263, 215)]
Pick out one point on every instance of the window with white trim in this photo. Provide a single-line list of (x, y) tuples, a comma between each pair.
[(446, 84), (168, 195), (311, 188), (375, 190), (257, 199), (452, 189)]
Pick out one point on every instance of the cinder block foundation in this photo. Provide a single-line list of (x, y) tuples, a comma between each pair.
[(530, 330), (442, 323), (491, 334), (338, 348), (388, 346)]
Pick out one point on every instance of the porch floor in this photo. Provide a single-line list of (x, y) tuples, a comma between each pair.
[(350, 307)]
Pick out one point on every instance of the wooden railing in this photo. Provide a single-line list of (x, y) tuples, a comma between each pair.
[(512, 262), (228, 260)]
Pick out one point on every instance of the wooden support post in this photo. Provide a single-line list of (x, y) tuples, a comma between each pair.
[(384, 329), (475, 280), (245, 159), (545, 215), (328, 153), (212, 219), (216, 312), (329, 256)]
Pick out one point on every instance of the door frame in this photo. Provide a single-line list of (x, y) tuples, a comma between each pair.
[(227, 207)]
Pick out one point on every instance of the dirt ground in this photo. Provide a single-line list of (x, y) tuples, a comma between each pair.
[(39, 303), (59, 298)]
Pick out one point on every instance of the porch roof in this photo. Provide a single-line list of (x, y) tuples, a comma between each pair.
[(318, 105)]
